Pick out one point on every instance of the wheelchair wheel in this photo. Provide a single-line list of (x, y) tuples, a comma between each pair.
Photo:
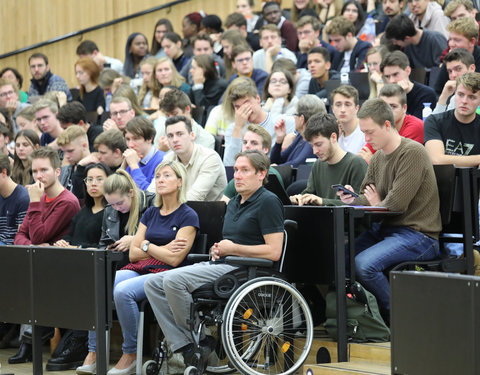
[(267, 328), (150, 368)]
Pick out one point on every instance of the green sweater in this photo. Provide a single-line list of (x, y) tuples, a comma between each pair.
[(406, 183), (230, 190), (348, 171)]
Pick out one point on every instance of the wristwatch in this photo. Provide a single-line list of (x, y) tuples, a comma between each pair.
[(145, 246)]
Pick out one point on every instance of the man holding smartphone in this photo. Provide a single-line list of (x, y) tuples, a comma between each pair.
[(334, 166), (400, 177)]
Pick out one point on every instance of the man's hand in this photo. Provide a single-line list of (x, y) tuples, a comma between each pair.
[(35, 191), (346, 198), (132, 158), (89, 159), (305, 45), (405, 85), (365, 153), (280, 130), (109, 124), (11, 106), (61, 243), (273, 50), (222, 248), (304, 199), (123, 244), (372, 195), (448, 90), (242, 114)]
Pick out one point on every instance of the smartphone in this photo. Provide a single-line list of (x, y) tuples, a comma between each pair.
[(339, 187)]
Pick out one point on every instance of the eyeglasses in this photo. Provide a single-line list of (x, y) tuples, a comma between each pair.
[(8, 93), (89, 180), (298, 114), (244, 60), (121, 112), (278, 81)]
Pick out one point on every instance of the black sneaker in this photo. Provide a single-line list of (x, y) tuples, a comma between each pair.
[(198, 356)]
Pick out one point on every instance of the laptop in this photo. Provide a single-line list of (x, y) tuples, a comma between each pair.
[(276, 187)]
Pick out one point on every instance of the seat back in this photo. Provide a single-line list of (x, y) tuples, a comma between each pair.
[(211, 215), (303, 171), (219, 145), (445, 175), (286, 172)]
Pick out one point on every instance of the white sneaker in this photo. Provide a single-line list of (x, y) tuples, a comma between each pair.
[(87, 369)]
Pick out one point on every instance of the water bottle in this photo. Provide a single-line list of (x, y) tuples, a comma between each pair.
[(108, 100), (367, 32), (427, 111)]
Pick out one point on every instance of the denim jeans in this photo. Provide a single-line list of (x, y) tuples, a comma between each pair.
[(127, 292), (382, 247)]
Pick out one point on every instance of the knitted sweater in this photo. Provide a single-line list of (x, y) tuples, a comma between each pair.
[(406, 183)]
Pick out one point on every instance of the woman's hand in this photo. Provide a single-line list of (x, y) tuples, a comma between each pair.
[(198, 76), (177, 245), (61, 243), (123, 244)]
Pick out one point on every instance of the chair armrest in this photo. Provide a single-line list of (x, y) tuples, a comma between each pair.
[(196, 258), (245, 261), (114, 256)]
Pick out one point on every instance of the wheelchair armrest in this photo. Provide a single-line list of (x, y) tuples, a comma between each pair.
[(245, 261), (196, 258)]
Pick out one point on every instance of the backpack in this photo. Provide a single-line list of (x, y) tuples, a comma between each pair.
[(364, 322)]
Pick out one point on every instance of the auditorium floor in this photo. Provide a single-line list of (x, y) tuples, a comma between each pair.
[(24, 368)]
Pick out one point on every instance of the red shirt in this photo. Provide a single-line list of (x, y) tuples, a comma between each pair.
[(412, 128)]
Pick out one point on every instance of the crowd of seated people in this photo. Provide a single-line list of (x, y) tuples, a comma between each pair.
[(110, 163)]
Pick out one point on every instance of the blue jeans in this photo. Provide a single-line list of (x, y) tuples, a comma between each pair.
[(382, 247), (127, 292)]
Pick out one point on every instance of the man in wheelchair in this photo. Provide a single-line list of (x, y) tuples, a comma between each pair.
[(253, 228)]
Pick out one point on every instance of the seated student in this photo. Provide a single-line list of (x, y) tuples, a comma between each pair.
[(373, 61), (48, 217), (242, 62), (74, 144), (272, 15), (301, 76), (26, 141), (121, 112), (208, 88), (172, 45), (299, 150), (145, 91), (4, 141), (256, 232), (453, 137), (126, 205), (14, 201), (408, 126), (345, 104), (46, 118), (136, 48), (164, 237), (206, 178), (428, 15), (352, 50), (308, 31), (272, 49), (422, 47), (9, 99), (110, 146), (255, 138), (12, 75), (237, 21), (177, 103), (243, 105), (85, 231), (457, 62), (392, 182), (165, 74), (203, 45), (141, 157), (279, 93), (74, 113), (88, 48), (395, 68), (91, 94), (26, 120), (334, 165), (463, 34), (319, 66)]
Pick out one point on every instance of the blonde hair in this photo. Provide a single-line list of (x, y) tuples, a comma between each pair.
[(122, 183), (177, 79), (180, 172), (465, 26), (340, 26), (70, 134), (144, 89), (240, 87), (453, 5)]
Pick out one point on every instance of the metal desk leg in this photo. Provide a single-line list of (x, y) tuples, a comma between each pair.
[(339, 240), (37, 350)]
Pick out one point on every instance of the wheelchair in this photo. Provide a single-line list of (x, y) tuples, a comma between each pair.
[(259, 322)]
